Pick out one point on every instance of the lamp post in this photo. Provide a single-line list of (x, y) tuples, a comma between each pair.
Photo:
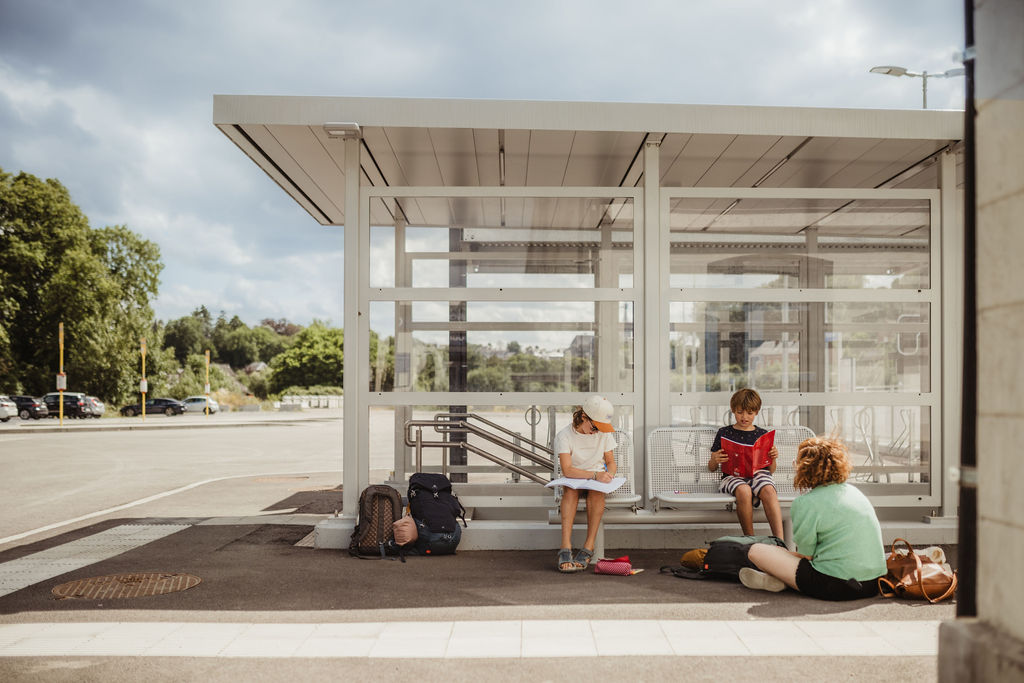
[(924, 76)]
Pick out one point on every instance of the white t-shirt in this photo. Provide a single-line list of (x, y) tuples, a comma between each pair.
[(587, 450)]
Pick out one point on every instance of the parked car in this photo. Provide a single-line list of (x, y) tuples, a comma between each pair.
[(197, 404), (8, 409), (30, 407), (74, 404), (96, 406), (167, 406)]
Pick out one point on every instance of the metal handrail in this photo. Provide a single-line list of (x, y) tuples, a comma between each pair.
[(444, 425)]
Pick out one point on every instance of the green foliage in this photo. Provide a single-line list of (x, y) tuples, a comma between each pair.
[(316, 357), (192, 379), (55, 268), (317, 390), (190, 334)]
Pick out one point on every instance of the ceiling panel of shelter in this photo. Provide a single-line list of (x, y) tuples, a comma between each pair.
[(485, 146), (281, 143), (736, 161), (695, 158), (322, 160), (456, 156), (810, 166), (517, 155), (549, 157), (601, 159), (878, 163)]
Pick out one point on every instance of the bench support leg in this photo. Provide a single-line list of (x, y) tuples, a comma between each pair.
[(787, 532), (599, 542)]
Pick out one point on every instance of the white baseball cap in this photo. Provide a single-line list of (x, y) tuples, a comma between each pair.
[(600, 411)]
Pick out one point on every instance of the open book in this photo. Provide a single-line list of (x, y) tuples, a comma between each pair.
[(615, 483), (745, 459)]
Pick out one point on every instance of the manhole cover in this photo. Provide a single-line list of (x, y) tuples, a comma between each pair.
[(125, 586)]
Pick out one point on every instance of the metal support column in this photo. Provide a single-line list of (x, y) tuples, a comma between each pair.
[(355, 456)]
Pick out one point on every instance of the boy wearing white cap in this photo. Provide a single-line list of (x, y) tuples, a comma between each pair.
[(585, 451)]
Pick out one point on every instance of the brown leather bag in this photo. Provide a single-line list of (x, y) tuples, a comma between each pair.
[(915, 576)]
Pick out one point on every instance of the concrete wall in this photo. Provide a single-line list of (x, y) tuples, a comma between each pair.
[(992, 646), (999, 34)]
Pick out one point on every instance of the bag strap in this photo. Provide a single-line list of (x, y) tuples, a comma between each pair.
[(949, 591), (905, 542), (883, 584), (683, 572)]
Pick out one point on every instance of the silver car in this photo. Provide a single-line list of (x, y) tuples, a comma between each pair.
[(8, 408), (97, 406), (197, 404)]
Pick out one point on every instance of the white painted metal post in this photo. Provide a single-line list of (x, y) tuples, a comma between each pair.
[(653, 310), (352, 446), (951, 314)]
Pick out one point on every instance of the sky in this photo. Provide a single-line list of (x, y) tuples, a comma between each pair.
[(114, 99)]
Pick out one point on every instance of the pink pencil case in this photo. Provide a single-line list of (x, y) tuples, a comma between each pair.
[(620, 566)]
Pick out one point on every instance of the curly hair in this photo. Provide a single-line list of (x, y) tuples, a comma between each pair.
[(820, 461)]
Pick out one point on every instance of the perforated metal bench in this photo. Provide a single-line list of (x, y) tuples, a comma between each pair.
[(678, 476)]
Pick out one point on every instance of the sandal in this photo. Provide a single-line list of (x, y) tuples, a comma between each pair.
[(565, 558), (583, 558)]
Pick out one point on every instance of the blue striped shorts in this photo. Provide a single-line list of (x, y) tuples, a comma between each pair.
[(761, 478)]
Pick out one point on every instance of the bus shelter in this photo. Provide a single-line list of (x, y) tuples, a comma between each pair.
[(504, 259)]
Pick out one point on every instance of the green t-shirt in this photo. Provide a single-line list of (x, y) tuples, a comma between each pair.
[(836, 526)]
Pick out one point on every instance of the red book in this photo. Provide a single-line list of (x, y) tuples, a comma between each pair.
[(745, 459)]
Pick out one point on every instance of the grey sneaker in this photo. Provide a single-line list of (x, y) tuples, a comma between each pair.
[(759, 581)]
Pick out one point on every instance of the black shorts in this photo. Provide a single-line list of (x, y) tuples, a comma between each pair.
[(824, 587)]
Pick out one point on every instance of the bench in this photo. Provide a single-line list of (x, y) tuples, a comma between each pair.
[(678, 476)]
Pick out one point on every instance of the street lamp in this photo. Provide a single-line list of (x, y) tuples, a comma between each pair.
[(924, 76)]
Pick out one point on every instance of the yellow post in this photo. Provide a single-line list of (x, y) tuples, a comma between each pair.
[(61, 380), (143, 384), (207, 387)]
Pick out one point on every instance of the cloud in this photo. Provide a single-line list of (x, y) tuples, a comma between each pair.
[(114, 99)]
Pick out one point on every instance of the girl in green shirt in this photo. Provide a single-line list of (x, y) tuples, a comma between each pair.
[(838, 539)]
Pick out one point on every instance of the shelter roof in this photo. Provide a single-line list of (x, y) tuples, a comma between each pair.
[(442, 143)]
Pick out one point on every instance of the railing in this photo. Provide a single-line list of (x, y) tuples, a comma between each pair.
[(460, 423)]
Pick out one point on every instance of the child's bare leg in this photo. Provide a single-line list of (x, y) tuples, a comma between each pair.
[(595, 511), (570, 498), (772, 510), (776, 561), (745, 509)]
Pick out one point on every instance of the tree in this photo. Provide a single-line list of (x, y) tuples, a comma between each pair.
[(281, 326), (316, 357), (55, 268), (190, 334)]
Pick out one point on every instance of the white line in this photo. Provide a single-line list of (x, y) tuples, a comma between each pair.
[(148, 499), (522, 639)]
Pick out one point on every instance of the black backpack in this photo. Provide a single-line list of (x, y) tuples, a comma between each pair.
[(380, 506), (725, 557), (432, 502)]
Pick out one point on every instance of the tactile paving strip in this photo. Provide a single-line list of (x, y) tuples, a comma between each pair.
[(46, 564), (125, 586)]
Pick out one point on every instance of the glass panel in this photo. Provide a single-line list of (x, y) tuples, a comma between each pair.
[(890, 445), (800, 243), (716, 346), (506, 242), (506, 346)]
